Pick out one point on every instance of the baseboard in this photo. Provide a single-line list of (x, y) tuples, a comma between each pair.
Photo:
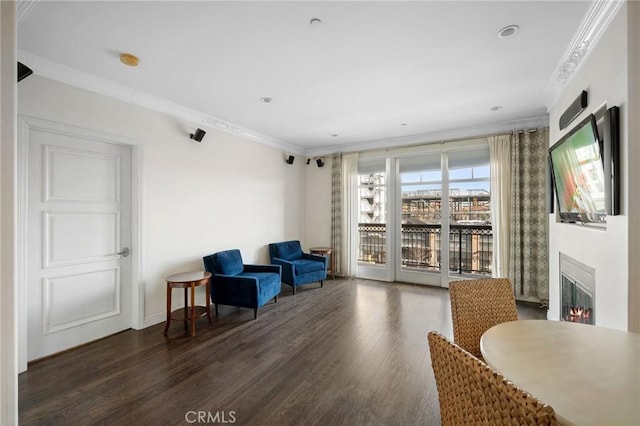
[(154, 319)]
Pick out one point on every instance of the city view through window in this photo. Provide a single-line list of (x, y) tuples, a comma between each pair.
[(421, 198)]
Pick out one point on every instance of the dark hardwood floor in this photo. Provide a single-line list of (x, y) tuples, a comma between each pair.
[(351, 353)]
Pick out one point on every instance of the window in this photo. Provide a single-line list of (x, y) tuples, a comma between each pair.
[(470, 234), (372, 194), (412, 207)]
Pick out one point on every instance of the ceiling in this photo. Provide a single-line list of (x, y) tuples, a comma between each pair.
[(369, 72)]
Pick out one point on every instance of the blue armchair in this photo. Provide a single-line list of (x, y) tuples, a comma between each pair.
[(298, 268), (236, 284)]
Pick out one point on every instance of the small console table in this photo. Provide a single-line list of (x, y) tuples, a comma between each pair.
[(327, 252), (188, 280)]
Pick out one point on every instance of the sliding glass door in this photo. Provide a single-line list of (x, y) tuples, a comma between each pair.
[(418, 227), (425, 218), (470, 231), (373, 216)]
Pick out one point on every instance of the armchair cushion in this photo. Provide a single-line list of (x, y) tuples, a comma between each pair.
[(269, 285), (287, 250), (304, 266), (228, 262)]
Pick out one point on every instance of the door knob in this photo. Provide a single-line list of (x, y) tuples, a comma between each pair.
[(125, 252)]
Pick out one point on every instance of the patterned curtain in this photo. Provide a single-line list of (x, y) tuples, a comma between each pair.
[(336, 212), (529, 269)]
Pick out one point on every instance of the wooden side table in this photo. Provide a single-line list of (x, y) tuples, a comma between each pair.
[(327, 252), (188, 280)]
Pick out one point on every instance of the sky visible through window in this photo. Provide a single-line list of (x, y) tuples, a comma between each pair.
[(460, 179)]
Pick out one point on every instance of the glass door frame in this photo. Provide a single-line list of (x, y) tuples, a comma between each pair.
[(376, 271), (415, 276), (392, 269)]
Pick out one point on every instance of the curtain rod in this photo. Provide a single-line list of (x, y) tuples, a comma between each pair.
[(467, 138), (528, 130)]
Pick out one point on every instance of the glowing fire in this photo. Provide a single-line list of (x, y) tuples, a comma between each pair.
[(579, 314)]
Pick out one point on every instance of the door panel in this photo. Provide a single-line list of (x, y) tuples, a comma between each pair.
[(80, 175), (69, 302), (374, 261), (80, 237), (418, 231), (470, 235), (79, 218)]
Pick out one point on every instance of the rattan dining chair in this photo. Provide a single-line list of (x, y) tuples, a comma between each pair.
[(478, 305), (470, 392)]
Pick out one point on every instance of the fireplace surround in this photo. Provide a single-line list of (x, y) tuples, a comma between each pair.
[(577, 291)]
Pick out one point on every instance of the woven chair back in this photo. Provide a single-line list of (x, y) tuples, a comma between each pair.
[(478, 305), (470, 392)]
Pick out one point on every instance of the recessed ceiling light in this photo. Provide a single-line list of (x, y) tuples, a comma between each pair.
[(129, 59), (508, 31), (266, 99), (495, 108), (315, 22), (403, 124), (335, 135)]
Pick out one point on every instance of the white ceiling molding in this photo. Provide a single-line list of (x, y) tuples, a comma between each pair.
[(471, 132), (593, 26), (92, 83), (24, 7)]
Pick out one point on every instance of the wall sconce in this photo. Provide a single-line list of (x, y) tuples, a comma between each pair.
[(289, 159), (198, 135), (319, 162)]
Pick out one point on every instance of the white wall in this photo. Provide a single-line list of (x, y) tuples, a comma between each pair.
[(633, 110), (8, 156), (318, 204), (198, 198), (604, 75)]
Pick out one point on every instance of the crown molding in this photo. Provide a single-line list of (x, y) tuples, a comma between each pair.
[(24, 7), (594, 24), (471, 132), (80, 79)]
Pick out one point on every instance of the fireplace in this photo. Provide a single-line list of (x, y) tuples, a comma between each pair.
[(577, 291)]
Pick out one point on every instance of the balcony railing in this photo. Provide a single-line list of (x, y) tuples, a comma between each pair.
[(470, 247)]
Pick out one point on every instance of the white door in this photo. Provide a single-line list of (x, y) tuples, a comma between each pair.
[(79, 225)]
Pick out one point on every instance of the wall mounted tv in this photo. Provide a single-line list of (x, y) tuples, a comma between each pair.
[(584, 169)]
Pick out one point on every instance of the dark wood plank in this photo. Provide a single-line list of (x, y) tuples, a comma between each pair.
[(353, 352)]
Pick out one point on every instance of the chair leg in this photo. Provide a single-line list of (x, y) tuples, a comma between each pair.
[(275, 299), (216, 309), (255, 313), (294, 290), (321, 284)]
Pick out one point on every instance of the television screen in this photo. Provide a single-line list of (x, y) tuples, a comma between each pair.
[(578, 174)]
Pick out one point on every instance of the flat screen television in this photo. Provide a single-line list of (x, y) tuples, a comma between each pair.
[(577, 168)]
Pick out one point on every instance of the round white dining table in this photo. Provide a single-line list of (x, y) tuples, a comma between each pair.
[(589, 375)]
